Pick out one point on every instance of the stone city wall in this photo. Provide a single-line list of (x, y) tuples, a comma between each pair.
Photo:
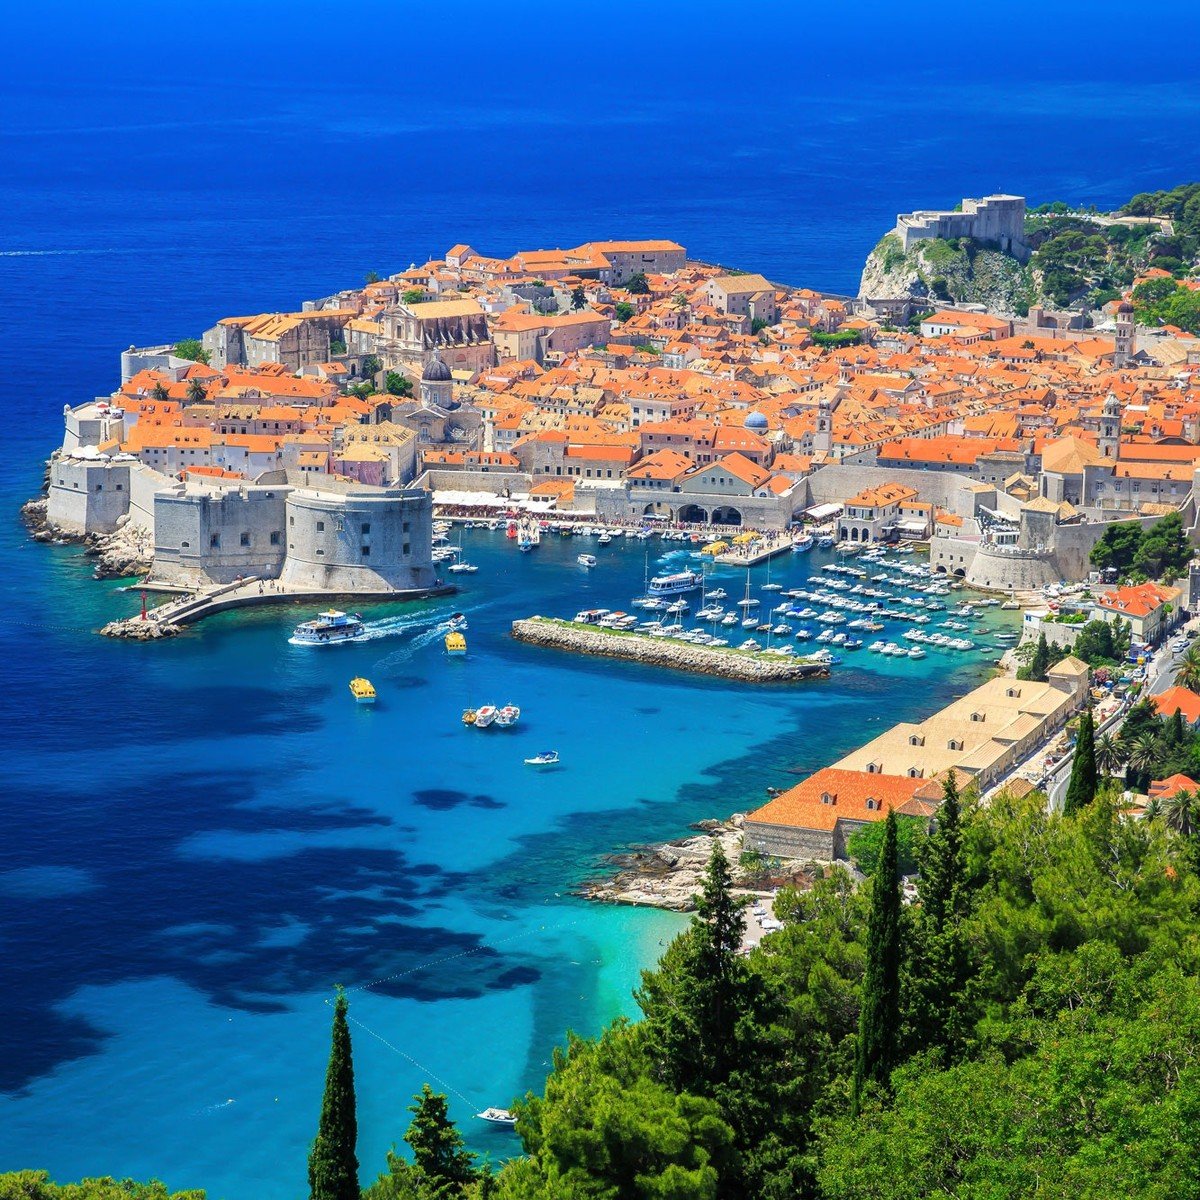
[(786, 841), (87, 496)]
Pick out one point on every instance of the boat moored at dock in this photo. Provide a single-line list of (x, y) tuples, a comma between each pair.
[(675, 584)]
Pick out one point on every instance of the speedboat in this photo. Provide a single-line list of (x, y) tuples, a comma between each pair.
[(329, 628), (586, 560), (605, 538), (718, 594), (457, 622), (729, 619), (508, 716), (497, 1116), (363, 691), (547, 758)]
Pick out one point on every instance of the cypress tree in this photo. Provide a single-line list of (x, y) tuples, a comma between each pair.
[(1177, 734), (1040, 662), (1081, 790), (332, 1162), (879, 1012), (940, 882)]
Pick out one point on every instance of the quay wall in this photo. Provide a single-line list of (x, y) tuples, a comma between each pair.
[(662, 652)]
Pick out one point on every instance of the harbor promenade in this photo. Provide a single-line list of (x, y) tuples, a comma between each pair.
[(172, 617)]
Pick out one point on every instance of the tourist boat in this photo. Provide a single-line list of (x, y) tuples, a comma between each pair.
[(497, 1116), (456, 644), (463, 568), (363, 690), (484, 716), (591, 616), (826, 542), (329, 628), (586, 560), (508, 716), (547, 758), (457, 622), (803, 543), (674, 585)]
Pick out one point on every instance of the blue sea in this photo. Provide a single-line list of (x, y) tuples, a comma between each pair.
[(199, 840)]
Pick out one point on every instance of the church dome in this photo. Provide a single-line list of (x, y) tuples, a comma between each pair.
[(756, 421), (436, 371), (1124, 307)]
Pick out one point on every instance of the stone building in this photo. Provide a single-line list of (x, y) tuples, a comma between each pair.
[(997, 219), (295, 340), (744, 295), (456, 329)]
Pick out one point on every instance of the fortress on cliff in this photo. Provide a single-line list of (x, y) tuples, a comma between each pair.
[(997, 220)]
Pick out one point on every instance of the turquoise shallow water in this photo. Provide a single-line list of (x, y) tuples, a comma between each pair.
[(210, 835)]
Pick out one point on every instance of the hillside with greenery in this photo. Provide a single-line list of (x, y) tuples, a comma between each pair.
[(1029, 1027), (1081, 259)]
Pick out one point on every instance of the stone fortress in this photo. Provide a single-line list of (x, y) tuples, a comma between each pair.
[(997, 220), (312, 532)]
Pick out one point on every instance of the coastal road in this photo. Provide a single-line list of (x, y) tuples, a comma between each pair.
[(1160, 675)]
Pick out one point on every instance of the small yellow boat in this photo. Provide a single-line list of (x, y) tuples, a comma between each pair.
[(456, 644), (363, 690), (469, 716)]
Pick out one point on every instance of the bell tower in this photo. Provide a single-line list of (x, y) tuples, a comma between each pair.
[(1125, 336), (1110, 427)]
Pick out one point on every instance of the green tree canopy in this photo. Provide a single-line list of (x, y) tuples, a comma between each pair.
[(638, 285), (624, 311), (332, 1162), (191, 348)]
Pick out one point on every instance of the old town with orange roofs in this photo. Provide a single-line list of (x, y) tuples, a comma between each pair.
[(622, 383)]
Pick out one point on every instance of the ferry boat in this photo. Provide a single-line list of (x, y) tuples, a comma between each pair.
[(803, 543), (508, 716), (363, 691), (328, 628), (674, 585), (456, 644), (547, 758), (586, 560), (497, 1116)]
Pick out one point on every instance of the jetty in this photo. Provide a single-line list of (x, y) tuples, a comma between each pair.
[(747, 666), (170, 619)]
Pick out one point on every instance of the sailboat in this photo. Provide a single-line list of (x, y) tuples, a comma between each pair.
[(748, 602), (461, 566), (769, 586)]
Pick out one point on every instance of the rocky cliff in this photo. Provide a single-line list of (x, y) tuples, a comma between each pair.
[(962, 272)]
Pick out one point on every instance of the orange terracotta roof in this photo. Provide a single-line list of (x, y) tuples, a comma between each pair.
[(820, 800)]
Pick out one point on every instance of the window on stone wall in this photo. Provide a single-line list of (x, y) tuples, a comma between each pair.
[(366, 527), (245, 539), (275, 536), (404, 548), (320, 526), (321, 553), (366, 552), (215, 540)]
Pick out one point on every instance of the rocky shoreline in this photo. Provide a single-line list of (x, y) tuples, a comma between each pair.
[(670, 874), (665, 652), (122, 554)]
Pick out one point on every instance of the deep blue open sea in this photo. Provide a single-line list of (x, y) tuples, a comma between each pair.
[(199, 839)]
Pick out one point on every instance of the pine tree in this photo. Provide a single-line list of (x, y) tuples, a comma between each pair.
[(879, 1011), (1081, 790), (694, 1000), (1040, 663), (445, 1167), (940, 882), (332, 1162)]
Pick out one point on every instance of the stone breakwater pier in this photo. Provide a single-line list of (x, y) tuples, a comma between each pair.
[(724, 662)]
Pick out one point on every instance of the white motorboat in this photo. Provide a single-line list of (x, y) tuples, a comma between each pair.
[(718, 594), (547, 758), (585, 560), (485, 716), (675, 584), (329, 628), (462, 568), (508, 716), (497, 1116)]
